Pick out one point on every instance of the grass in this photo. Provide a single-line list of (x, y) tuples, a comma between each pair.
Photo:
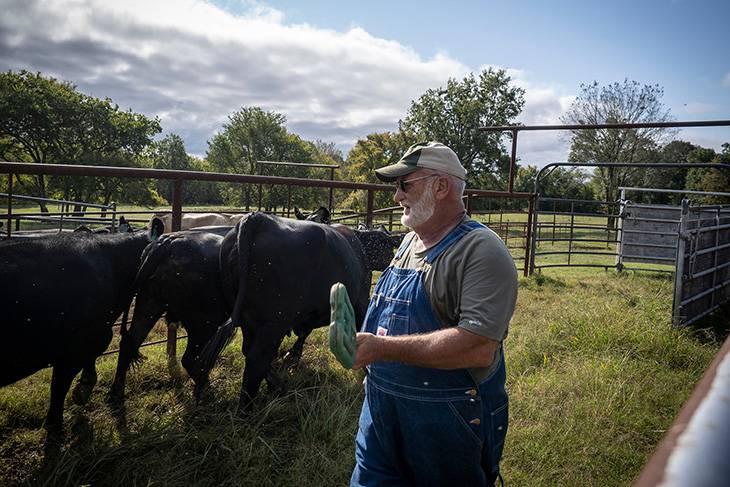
[(595, 375)]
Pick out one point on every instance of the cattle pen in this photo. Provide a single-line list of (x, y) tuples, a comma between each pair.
[(690, 424)]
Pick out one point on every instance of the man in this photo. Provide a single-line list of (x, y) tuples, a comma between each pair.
[(435, 409)]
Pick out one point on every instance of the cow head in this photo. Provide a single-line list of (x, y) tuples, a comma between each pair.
[(378, 245), (320, 215), (124, 226)]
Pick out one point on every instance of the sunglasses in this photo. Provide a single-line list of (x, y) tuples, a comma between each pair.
[(402, 184)]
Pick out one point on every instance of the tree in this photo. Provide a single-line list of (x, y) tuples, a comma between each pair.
[(711, 180), (562, 182), (374, 151), (253, 135), (626, 102), (676, 151), (452, 115), (48, 121), (170, 153)]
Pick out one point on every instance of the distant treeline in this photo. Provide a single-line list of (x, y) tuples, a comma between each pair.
[(45, 121)]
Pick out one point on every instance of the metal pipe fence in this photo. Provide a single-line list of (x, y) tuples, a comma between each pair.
[(178, 178), (64, 214)]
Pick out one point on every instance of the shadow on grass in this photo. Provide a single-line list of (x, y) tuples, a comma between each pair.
[(713, 328)]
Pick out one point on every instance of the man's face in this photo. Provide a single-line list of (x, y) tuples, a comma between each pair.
[(417, 200)]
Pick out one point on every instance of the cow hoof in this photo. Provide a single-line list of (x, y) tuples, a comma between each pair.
[(291, 360), (199, 390), (54, 435), (115, 399), (82, 393)]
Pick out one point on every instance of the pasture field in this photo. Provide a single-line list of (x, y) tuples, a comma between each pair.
[(595, 374)]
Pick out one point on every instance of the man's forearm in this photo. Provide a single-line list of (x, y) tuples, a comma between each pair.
[(450, 348)]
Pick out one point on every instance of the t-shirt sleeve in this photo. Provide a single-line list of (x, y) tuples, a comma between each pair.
[(488, 288)]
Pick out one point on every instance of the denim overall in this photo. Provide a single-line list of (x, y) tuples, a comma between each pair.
[(422, 426)]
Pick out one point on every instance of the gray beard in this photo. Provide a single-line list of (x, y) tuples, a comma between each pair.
[(421, 210)]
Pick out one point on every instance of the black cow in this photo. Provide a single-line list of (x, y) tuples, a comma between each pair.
[(179, 277), (123, 227), (320, 215), (276, 275), (60, 296)]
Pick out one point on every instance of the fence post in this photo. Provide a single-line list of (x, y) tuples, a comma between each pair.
[(715, 262), (555, 221), (679, 270), (176, 205), (619, 231), (533, 242), (371, 204), (114, 216), (176, 223), (10, 205), (468, 204), (288, 200), (528, 236), (572, 225), (332, 199)]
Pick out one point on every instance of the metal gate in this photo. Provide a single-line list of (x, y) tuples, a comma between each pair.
[(702, 278)]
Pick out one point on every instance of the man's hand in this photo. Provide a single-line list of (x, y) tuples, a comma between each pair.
[(369, 349)]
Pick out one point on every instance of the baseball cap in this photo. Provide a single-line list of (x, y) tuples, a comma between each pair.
[(431, 155)]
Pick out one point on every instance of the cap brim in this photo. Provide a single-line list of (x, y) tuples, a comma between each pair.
[(394, 171)]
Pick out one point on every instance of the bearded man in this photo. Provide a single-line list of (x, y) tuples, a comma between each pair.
[(435, 408)]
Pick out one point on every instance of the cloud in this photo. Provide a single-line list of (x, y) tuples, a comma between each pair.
[(193, 64)]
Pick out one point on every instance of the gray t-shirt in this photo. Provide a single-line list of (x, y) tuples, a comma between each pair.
[(472, 284)]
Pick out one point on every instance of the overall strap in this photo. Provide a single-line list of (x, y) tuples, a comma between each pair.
[(453, 237), (404, 245)]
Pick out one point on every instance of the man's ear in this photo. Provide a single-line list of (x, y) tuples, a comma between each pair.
[(442, 187)]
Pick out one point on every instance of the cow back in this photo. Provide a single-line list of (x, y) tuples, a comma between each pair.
[(55, 290), (281, 270)]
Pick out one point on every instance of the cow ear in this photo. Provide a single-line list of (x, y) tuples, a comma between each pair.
[(156, 228)]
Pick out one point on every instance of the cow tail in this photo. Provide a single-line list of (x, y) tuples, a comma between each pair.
[(151, 258), (240, 253), (247, 230)]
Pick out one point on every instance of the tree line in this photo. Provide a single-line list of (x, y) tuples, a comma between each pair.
[(45, 120)]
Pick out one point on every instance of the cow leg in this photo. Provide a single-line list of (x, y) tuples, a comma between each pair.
[(129, 349), (173, 366), (193, 348), (294, 355), (63, 375), (274, 382), (85, 385), (261, 352)]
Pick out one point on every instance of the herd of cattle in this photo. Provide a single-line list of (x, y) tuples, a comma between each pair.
[(268, 275)]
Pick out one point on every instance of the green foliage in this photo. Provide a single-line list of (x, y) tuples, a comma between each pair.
[(626, 102), (373, 152), (453, 114), (713, 180), (170, 153), (676, 151), (49, 121), (561, 182), (252, 135)]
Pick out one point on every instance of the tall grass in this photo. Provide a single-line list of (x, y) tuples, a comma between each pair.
[(595, 375)]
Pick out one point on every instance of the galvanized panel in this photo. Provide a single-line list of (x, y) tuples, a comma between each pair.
[(649, 233)]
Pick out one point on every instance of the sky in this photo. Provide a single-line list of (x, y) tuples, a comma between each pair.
[(339, 70)]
